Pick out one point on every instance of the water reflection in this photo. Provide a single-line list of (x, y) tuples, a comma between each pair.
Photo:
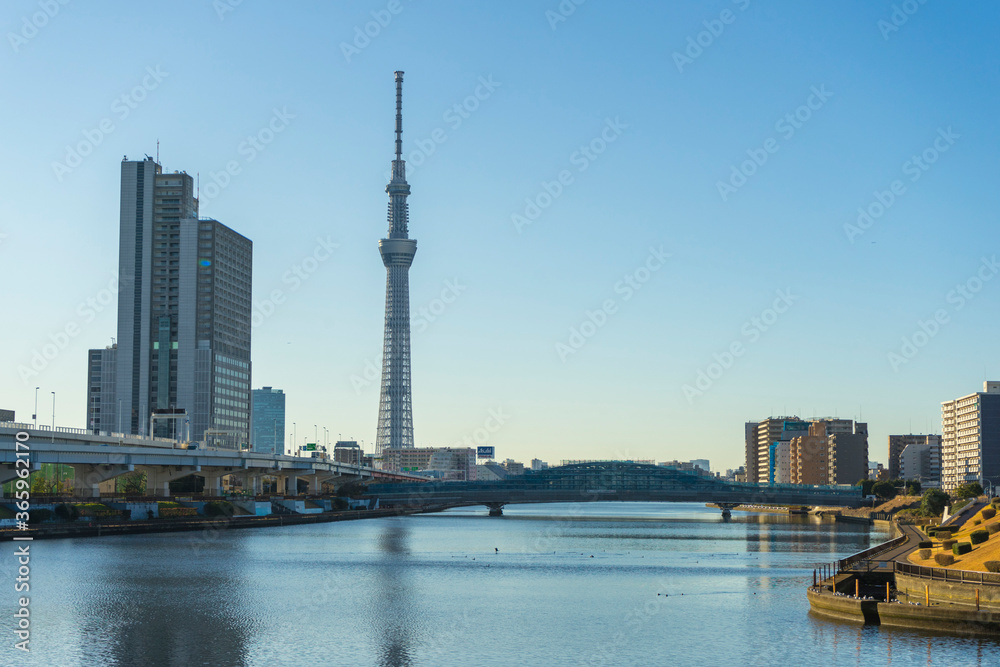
[(393, 615), (138, 608)]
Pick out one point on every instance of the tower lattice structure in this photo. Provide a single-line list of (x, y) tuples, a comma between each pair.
[(395, 412)]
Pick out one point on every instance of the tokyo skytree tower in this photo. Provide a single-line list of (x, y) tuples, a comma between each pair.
[(395, 410)]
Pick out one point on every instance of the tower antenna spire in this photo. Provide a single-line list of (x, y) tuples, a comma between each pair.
[(395, 413), (399, 115)]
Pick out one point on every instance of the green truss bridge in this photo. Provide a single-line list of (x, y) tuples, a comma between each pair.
[(609, 481)]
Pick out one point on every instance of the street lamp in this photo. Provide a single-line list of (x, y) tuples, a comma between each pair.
[(35, 416), (53, 416)]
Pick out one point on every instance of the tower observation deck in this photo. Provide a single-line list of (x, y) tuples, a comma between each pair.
[(395, 411)]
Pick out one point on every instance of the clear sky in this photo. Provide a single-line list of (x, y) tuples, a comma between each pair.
[(674, 182)]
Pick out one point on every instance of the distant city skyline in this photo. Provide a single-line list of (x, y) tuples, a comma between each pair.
[(782, 226)]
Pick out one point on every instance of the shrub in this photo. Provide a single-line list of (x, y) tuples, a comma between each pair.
[(924, 554), (219, 508), (995, 500), (992, 565), (961, 548), (39, 515), (944, 559), (979, 536), (173, 512), (948, 544), (926, 544), (989, 513), (340, 504), (976, 522), (992, 527), (67, 512)]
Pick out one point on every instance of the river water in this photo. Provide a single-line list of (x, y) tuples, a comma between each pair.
[(561, 584)]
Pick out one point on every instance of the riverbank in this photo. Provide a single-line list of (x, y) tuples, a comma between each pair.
[(105, 528), (879, 587)]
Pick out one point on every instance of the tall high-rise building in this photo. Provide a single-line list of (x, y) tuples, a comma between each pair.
[(395, 411), (970, 438), (770, 432), (810, 456), (849, 455), (897, 443), (921, 462), (102, 412), (268, 418), (750, 449), (184, 307)]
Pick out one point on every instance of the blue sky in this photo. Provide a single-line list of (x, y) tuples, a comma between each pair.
[(645, 110)]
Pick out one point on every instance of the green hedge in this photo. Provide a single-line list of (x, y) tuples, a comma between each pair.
[(39, 515), (989, 512), (174, 512), (944, 559), (219, 508), (948, 544), (961, 548), (992, 527), (992, 565), (926, 544), (979, 536)]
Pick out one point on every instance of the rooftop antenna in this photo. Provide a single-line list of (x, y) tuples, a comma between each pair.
[(157, 151)]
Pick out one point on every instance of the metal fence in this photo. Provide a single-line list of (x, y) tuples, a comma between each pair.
[(870, 553), (946, 574)]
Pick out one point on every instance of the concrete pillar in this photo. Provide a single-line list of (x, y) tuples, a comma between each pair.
[(158, 478), (292, 482), (213, 483), (87, 478)]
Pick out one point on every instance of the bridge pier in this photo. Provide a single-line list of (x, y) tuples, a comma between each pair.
[(213, 482), (496, 509), (87, 478), (727, 509), (158, 478)]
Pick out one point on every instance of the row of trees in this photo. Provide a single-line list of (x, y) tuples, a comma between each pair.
[(889, 489)]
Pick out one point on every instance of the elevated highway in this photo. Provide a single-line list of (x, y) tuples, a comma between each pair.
[(99, 458)]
